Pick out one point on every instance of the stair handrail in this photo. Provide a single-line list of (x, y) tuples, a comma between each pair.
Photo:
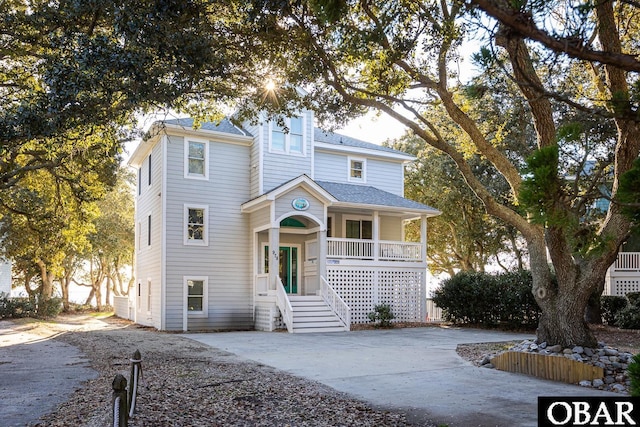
[(282, 300), (336, 303)]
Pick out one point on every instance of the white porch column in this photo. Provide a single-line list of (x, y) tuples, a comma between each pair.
[(423, 238), (274, 256), (322, 255), (375, 225), (423, 256)]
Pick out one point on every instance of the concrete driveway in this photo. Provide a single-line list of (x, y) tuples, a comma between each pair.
[(413, 370), (37, 373)]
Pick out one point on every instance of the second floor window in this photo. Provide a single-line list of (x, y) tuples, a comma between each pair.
[(195, 225), (357, 170), (291, 142), (196, 159)]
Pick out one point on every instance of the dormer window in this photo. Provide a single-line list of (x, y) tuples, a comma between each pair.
[(357, 169), (291, 142)]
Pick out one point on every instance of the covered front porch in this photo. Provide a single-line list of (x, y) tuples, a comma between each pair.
[(335, 261)]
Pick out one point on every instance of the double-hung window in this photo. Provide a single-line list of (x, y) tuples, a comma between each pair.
[(196, 291), (289, 140), (357, 170), (196, 225), (196, 159)]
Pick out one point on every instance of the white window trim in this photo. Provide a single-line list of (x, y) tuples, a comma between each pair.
[(287, 139), (205, 296), (360, 218), (185, 225), (149, 301), (333, 225), (187, 175), (364, 169)]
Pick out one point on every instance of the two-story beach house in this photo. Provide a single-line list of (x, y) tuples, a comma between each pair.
[(265, 227)]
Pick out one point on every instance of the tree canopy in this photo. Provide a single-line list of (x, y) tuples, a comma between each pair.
[(402, 58)]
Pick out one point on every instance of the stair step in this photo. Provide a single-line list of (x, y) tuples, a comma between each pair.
[(305, 298), (322, 314), (310, 330), (308, 304), (315, 319)]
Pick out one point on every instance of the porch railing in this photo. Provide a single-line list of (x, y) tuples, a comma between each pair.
[(337, 304), (400, 251), (349, 248), (365, 250), (627, 261), (284, 305)]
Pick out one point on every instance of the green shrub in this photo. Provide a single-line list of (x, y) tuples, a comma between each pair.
[(48, 308), (633, 371), (634, 298), (628, 317), (383, 315), (611, 306), (489, 300), (16, 307)]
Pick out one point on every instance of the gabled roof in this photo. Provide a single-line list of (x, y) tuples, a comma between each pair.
[(300, 181), (224, 126), (353, 194)]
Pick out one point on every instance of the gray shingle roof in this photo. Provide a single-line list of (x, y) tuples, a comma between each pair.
[(343, 140), (364, 194), (224, 126)]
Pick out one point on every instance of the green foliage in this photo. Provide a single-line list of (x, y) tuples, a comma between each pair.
[(611, 306), (48, 308), (629, 193), (382, 315), (489, 300), (629, 316), (633, 371), (13, 308), (541, 187)]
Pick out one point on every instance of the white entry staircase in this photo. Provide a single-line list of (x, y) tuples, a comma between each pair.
[(312, 314)]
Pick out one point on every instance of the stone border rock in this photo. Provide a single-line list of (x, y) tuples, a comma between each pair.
[(612, 361)]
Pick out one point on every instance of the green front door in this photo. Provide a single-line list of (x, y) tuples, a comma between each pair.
[(288, 267)]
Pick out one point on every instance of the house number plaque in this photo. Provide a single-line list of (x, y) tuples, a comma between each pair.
[(300, 204)]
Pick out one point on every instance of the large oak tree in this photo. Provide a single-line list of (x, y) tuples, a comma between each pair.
[(401, 57)]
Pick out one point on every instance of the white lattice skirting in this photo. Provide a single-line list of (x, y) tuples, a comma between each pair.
[(362, 288), (622, 286)]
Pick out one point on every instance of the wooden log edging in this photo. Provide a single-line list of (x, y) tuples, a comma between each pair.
[(554, 368)]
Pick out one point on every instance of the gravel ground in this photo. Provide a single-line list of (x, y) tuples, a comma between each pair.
[(189, 384)]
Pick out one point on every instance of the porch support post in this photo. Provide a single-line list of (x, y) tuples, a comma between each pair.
[(274, 256), (423, 238), (322, 255), (376, 235), (423, 256)]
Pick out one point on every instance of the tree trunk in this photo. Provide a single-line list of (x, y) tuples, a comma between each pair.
[(593, 313), (562, 321)]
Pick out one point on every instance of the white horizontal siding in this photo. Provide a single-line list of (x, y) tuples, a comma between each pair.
[(226, 259), (148, 257), (382, 174), (330, 167)]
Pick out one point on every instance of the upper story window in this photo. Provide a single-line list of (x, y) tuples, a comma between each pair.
[(291, 142), (196, 159), (195, 218), (357, 169)]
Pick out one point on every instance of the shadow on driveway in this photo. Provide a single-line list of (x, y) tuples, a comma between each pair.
[(414, 370), (37, 373)]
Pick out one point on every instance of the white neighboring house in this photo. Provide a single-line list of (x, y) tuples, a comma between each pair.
[(624, 275), (213, 204), (5, 276)]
